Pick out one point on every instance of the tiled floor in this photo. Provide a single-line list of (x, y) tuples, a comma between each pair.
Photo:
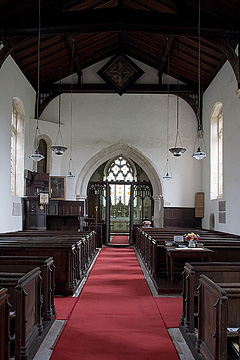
[(45, 351)]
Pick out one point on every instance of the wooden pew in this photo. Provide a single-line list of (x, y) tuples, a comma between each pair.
[(218, 272), (218, 310), (62, 254), (25, 298), (150, 244), (181, 231), (89, 238), (24, 264), (72, 255), (4, 324)]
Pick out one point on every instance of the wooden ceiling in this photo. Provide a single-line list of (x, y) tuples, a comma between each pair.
[(163, 34)]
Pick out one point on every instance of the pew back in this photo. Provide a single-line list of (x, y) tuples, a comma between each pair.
[(217, 312), (4, 324), (26, 263), (216, 271), (72, 254), (25, 298)]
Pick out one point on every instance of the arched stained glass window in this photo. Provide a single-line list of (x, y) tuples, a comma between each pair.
[(120, 170)]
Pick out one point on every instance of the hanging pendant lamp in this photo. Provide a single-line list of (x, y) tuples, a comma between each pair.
[(168, 173), (59, 147), (199, 154), (71, 171), (178, 149), (199, 150), (36, 156)]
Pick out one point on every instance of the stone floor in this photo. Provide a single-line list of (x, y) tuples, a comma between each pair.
[(46, 349)]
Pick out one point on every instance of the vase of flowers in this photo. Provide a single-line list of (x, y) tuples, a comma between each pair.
[(192, 239), (146, 223)]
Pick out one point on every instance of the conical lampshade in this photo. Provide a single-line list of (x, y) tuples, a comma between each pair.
[(36, 156)]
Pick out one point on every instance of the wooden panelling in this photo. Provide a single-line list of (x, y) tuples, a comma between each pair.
[(181, 217), (199, 205)]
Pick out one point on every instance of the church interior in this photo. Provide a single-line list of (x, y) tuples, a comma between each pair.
[(119, 145)]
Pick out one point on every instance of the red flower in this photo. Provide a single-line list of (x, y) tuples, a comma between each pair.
[(192, 236)]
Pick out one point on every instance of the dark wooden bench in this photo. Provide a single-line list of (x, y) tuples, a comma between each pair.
[(24, 264), (72, 255), (218, 272), (88, 238), (150, 245), (4, 324), (25, 299), (219, 305), (63, 255)]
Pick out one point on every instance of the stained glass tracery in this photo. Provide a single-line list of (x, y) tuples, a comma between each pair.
[(120, 170)]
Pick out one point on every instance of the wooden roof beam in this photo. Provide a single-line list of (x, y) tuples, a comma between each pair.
[(121, 20), (187, 92), (165, 56), (136, 88), (74, 58)]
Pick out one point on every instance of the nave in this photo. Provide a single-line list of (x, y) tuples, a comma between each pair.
[(116, 316)]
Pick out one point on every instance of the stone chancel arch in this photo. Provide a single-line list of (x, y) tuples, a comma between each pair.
[(132, 153)]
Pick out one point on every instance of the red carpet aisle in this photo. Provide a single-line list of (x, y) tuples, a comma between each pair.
[(116, 317), (120, 239), (170, 309), (64, 306)]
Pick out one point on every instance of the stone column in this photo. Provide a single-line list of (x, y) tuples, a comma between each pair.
[(158, 211), (82, 198)]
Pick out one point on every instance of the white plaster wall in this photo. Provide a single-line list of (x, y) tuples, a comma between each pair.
[(12, 84), (103, 120), (99, 121), (223, 89)]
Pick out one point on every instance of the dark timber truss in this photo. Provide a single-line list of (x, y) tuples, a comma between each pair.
[(157, 33)]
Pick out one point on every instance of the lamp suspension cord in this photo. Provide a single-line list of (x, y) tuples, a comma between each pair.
[(71, 107), (60, 88), (177, 103), (177, 109), (59, 109), (60, 83), (38, 59), (168, 103), (199, 64)]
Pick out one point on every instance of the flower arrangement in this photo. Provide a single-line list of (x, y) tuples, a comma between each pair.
[(191, 236), (146, 223)]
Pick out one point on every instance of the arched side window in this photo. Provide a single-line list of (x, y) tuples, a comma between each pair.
[(120, 170), (17, 148), (216, 143), (42, 165)]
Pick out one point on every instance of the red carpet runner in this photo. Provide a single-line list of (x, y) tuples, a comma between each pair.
[(120, 239), (64, 306), (116, 317), (170, 309)]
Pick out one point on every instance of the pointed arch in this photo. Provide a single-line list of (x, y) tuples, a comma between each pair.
[(132, 153)]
